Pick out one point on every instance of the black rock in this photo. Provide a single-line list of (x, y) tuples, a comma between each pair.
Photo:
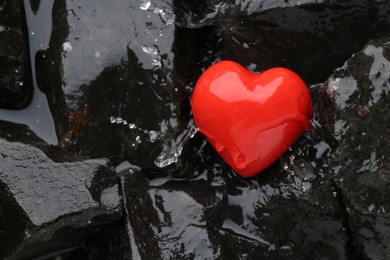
[(361, 114), (135, 79), (309, 37), (225, 217), (118, 78), (112, 61), (15, 80), (47, 206)]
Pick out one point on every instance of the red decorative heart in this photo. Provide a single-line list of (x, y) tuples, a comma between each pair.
[(250, 119)]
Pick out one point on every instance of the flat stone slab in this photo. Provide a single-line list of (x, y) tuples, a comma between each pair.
[(53, 200)]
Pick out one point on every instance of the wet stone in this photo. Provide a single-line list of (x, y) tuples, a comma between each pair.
[(114, 61), (309, 37), (120, 77), (359, 161), (202, 217), (15, 85), (143, 69), (56, 205)]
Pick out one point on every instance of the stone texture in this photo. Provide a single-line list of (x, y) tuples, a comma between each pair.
[(138, 63), (359, 162), (56, 204), (219, 217), (15, 85)]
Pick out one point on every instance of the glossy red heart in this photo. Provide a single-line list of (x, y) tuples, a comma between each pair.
[(250, 119)]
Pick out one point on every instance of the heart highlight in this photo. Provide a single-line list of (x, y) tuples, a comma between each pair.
[(250, 119)]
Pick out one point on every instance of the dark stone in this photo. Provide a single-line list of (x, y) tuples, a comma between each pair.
[(142, 71), (112, 242), (101, 72), (119, 72), (48, 62), (47, 206), (15, 81), (383, 10), (225, 217), (309, 37), (359, 161)]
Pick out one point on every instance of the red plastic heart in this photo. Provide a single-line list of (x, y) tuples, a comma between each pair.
[(250, 119)]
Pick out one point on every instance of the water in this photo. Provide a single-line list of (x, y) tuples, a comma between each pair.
[(145, 5), (67, 47), (154, 53), (296, 213), (37, 115), (166, 15), (171, 154), (153, 135)]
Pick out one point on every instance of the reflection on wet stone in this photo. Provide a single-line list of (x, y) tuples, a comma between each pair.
[(118, 78), (117, 61), (360, 162), (15, 86), (53, 201)]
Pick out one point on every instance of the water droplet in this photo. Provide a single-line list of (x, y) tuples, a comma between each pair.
[(118, 120), (285, 167), (167, 16), (131, 125), (156, 62), (124, 122), (38, 121), (20, 83), (306, 186), (112, 119), (32, 32), (67, 47), (138, 139), (153, 135), (145, 5), (133, 144), (97, 54), (154, 53), (334, 194)]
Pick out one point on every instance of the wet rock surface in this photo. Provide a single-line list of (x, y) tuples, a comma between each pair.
[(231, 218), (113, 81), (359, 163), (15, 90), (52, 202)]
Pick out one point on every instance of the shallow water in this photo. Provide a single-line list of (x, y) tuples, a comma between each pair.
[(37, 115)]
